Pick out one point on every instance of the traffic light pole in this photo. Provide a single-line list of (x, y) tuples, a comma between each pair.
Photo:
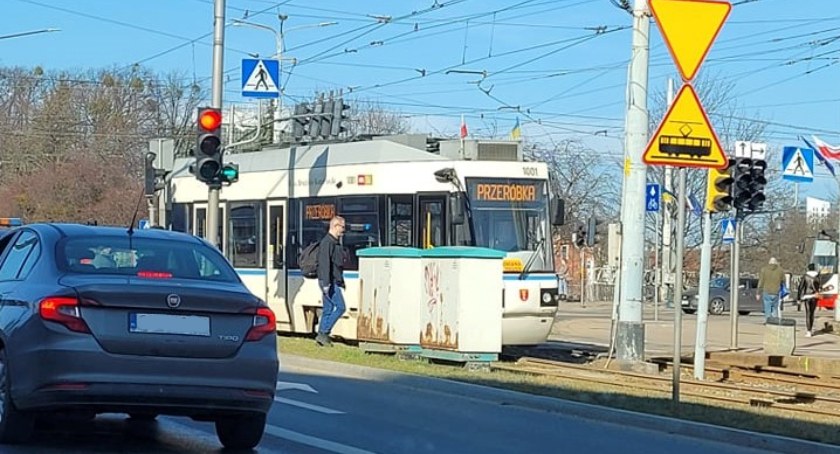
[(735, 282), (212, 231), (678, 290)]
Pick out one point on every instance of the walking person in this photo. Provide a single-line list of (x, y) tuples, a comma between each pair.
[(809, 288), (770, 280), (331, 279)]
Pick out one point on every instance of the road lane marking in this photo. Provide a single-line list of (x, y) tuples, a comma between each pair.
[(316, 442), (318, 408), (284, 385)]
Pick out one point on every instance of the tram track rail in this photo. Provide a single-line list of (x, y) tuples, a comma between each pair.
[(759, 390)]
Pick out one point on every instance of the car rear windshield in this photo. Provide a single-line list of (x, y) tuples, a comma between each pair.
[(144, 257)]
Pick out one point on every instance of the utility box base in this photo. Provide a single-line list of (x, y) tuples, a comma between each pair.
[(473, 361), (780, 336), (400, 351)]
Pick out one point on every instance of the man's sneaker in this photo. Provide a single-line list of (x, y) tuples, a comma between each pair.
[(808, 334), (323, 340)]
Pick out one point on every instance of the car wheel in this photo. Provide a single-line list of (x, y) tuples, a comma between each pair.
[(689, 311), (241, 432), (743, 312), (716, 306), (15, 426)]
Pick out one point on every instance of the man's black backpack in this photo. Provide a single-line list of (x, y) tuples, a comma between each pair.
[(308, 260)]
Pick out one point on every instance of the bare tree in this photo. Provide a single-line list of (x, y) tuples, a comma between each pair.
[(369, 117)]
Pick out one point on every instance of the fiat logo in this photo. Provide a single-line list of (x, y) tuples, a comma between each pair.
[(173, 300)]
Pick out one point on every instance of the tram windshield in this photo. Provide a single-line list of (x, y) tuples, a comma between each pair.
[(511, 215)]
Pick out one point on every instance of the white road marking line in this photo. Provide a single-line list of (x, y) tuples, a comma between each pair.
[(318, 408), (284, 385), (313, 441)]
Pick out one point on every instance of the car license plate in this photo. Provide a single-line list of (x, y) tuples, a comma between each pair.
[(188, 325), (685, 302)]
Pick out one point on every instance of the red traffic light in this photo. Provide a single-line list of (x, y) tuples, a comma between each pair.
[(209, 119)]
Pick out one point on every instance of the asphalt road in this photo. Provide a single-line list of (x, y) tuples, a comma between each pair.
[(328, 411)]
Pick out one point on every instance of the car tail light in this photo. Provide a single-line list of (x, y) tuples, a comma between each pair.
[(154, 274), (64, 310), (264, 324)]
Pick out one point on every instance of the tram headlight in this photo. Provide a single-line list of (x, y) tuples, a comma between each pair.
[(546, 297), (549, 297)]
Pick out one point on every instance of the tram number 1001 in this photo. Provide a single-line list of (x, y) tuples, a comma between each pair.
[(530, 171)]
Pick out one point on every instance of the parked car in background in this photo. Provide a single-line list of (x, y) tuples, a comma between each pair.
[(719, 297), (144, 322)]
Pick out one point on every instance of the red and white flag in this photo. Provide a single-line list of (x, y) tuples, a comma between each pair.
[(463, 127)]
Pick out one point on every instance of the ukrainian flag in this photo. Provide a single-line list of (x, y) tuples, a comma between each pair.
[(516, 132)]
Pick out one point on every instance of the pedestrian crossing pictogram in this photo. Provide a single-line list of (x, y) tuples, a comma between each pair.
[(260, 78), (798, 164)]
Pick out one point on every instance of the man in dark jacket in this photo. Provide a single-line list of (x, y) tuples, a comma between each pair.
[(331, 279)]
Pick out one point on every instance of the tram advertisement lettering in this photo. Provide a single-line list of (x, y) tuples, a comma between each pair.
[(506, 192), (324, 211)]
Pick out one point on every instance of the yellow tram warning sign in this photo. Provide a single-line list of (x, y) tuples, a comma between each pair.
[(685, 137), (689, 28)]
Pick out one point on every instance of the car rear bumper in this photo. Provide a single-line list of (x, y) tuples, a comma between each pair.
[(181, 400), (69, 370)]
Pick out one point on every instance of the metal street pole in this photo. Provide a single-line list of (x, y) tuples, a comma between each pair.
[(735, 282), (678, 290), (703, 303), (212, 232), (667, 262), (630, 330)]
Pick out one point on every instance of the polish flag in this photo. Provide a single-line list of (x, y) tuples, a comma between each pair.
[(463, 128)]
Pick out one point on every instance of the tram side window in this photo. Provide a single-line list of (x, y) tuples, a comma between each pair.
[(401, 213), (309, 221), (246, 238), (361, 216)]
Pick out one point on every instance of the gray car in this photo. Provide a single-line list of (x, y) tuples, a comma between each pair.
[(144, 322), (719, 297)]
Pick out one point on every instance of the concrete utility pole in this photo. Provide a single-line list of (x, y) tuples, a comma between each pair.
[(630, 333), (212, 232), (703, 302), (735, 282)]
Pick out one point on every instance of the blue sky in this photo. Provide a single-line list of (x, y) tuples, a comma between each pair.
[(565, 61)]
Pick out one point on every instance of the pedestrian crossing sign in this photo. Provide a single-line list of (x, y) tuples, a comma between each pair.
[(798, 164), (260, 78), (728, 228)]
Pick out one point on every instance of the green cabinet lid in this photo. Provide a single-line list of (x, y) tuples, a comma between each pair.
[(389, 251), (463, 252)]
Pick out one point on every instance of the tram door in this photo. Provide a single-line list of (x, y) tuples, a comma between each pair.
[(431, 221), (199, 227), (276, 292)]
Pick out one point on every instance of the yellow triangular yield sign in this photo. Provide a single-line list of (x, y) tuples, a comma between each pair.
[(685, 137), (689, 27)]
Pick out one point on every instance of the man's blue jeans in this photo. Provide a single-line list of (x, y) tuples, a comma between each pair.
[(771, 304), (333, 309)]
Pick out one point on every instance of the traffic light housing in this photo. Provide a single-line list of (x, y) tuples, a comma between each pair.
[(719, 189), (749, 183), (592, 231), (153, 179), (759, 181), (208, 152), (340, 117), (742, 184)]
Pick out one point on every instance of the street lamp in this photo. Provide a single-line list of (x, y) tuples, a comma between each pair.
[(33, 32), (279, 48)]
